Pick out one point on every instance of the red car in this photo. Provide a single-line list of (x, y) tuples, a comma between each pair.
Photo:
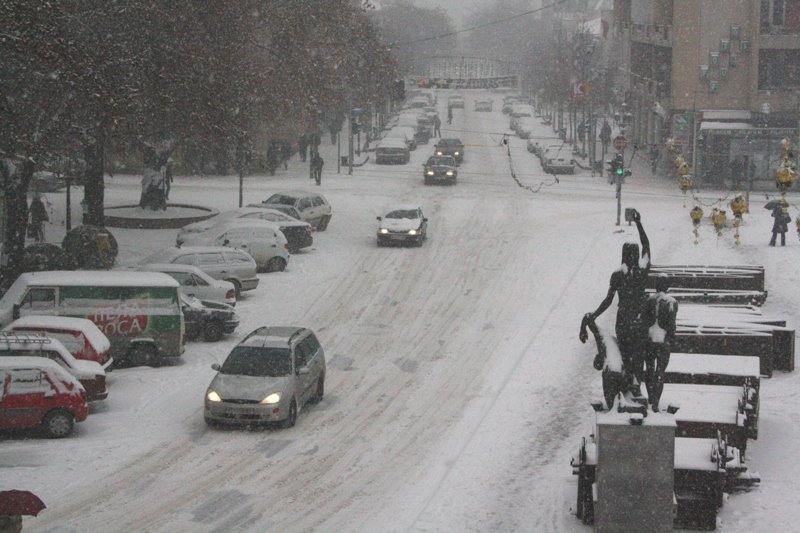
[(37, 392)]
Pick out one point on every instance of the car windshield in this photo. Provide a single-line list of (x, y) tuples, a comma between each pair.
[(258, 362), (280, 199), (402, 213), (450, 143), (447, 161)]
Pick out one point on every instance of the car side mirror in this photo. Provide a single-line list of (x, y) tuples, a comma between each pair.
[(15, 311), (424, 219), (303, 370), (378, 218), (216, 367)]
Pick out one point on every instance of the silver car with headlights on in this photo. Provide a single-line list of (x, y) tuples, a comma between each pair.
[(268, 377)]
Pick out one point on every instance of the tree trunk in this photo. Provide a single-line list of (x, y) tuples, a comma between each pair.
[(94, 187), (16, 192)]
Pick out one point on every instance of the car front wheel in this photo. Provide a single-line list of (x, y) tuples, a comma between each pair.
[(276, 264), (292, 418), (213, 331), (323, 223)]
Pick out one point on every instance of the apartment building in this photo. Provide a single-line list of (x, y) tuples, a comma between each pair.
[(720, 77)]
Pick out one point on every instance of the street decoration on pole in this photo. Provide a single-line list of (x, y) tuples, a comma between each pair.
[(738, 207), (696, 215), (719, 219)]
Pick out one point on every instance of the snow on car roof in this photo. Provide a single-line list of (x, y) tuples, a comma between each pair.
[(402, 207), (95, 278), (85, 326), (392, 142), (53, 368)]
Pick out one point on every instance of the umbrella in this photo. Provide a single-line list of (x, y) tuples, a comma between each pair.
[(772, 204), (20, 502)]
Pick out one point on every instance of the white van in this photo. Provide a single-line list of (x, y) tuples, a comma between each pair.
[(139, 312)]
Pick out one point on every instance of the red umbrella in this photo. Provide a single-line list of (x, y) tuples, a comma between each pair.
[(20, 502)]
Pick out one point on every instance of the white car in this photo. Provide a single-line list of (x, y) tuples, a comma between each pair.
[(297, 232), (525, 127), (402, 224), (407, 133), (195, 282), (558, 158), (89, 373), (263, 240), (392, 150)]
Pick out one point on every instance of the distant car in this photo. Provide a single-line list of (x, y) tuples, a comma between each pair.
[(313, 207), (38, 392), (558, 160), (456, 101), (90, 374), (403, 224), (419, 102), (483, 105), (219, 262), (508, 104), (297, 232), (263, 240), (534, 147), (268, 377), (80, 336), (453, 147), (392, 150), (196, 283), (407, 133), (442, 168), (519, 111), (207, 319)]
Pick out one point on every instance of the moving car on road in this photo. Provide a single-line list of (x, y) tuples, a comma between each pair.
[(268, 377), (403, 224), (440, 168), (453, 147)]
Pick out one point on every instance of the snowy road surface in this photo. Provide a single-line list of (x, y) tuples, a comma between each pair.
[(456, 389)]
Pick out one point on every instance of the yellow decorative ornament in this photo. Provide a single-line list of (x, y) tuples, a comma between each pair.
[(684, 168), (738, 206), (720, 220), (697, 215), (785, 176), (669, 144), (679, 161)]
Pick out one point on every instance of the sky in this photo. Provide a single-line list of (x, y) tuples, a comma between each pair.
[(459, 10)]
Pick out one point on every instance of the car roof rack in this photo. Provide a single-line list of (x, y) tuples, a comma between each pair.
[(23, 338)]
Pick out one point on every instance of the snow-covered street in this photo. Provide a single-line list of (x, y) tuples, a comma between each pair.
[(456, 390)]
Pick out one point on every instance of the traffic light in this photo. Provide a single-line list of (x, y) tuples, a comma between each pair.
[(399, 90), (616, 168), (356, 127)]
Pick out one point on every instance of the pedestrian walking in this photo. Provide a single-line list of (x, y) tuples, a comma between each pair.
[(38, 214), (653, 157), (780, 212), (605, 135), (302, 147), (316, 167), (449, 114), (286, 153), (437, 125), (272, 157)]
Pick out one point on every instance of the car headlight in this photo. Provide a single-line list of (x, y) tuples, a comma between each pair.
[(455, 153), (384, 231), (212, 396), (412, 232), (449, 172), (430, 173), (439, 152), (272, 398)]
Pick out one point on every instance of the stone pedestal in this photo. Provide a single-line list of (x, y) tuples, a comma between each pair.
[(635, 472)]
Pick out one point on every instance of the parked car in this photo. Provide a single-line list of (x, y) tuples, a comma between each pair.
[(37, 392), (313, 207), (519, 111), (440, 168), (483, 105), (534, 147), (297, 232), (402, 224), (80, 336), (508, 104), (526, 127), (137, 311), (45, 181), (453, 147), (195, 282), (268, 377), (207, 319), (407, 133), (392, 150), (456, 101), (219, 262), (263, 240), (558, 159), (90, 374)]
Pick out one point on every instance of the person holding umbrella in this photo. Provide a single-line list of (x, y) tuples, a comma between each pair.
[(14, 504), (780, 212)]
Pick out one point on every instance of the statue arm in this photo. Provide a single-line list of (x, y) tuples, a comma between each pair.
[(643, 238), (612, 288)]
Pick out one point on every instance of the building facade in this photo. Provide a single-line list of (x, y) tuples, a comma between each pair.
[(719, 77)]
